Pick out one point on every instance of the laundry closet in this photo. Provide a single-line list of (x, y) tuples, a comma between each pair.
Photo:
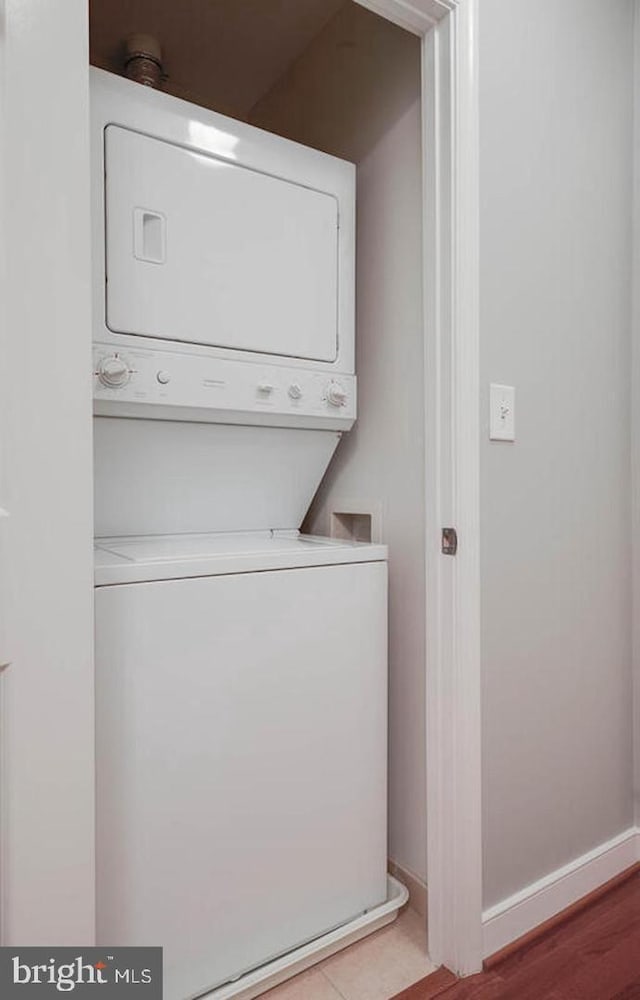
[(259, 481)]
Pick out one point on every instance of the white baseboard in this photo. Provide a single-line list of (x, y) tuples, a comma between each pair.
[(520, 913), (417, 888)]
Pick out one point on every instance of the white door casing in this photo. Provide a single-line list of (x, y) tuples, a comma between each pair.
[(451, 331), (46, 746)]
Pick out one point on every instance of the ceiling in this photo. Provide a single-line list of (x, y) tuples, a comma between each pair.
[(223, 54)]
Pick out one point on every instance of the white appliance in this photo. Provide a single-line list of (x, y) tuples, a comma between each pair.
[(213, 242), (241, 668), (241, 684)]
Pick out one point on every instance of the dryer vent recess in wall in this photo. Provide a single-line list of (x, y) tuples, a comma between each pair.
[(357, 522), (143, 60)]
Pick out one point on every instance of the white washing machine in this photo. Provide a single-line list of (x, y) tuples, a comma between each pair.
[(241, 668), (241, 784)]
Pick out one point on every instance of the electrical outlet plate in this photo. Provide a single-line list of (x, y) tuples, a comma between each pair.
[(502, 419)]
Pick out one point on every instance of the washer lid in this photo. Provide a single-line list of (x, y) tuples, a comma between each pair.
[(160, 477), (171, 557)]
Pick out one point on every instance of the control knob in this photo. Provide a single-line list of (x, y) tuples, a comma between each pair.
[(336, 395), (113, 372)]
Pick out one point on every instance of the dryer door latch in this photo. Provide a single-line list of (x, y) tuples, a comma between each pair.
[(449, 541)]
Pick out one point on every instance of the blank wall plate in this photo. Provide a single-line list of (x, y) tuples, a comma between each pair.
[(502, 420)]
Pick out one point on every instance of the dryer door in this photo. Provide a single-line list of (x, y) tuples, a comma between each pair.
[(205, 251)]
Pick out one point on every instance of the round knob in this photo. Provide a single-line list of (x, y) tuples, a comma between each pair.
[(336, 394), (113, 372), (295, 391), (163, 377)]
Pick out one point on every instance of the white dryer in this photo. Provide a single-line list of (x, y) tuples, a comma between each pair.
[(221, 242), (241, 785)]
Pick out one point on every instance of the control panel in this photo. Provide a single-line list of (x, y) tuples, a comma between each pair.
[(168, 379)]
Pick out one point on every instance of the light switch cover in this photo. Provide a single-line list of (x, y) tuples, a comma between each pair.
[(502, 421)]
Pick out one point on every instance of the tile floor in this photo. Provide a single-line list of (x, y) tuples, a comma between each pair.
[(375, 968)]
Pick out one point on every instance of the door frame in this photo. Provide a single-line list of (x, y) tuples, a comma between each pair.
[(448, 29)]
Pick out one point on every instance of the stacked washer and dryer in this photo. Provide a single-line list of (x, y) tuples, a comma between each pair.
[(241, 667)]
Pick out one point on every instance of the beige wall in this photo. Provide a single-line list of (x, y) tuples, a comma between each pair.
[(223, 55), (555, 243), (355, 92)]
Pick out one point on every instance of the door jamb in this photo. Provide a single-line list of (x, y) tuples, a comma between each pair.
[(448, 29)]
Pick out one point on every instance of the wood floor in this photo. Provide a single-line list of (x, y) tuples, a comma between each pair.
[(594, 955)]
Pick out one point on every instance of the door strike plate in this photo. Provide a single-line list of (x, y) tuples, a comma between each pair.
[(449, 541)]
